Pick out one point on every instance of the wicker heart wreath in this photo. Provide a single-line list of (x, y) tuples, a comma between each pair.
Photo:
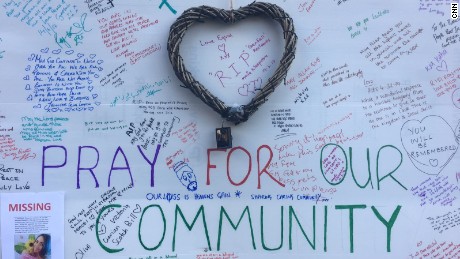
[(200, 14)]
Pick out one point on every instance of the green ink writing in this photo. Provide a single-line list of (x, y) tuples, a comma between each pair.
[(350, 210), (262, 229), (189, 227), (224, 212), (325, 228), (335, 175), (153, 218), (390, 173), (368, 170), (292, 213), (388, 224), (164, 227)]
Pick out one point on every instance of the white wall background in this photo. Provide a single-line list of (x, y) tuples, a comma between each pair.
[(396, 122)]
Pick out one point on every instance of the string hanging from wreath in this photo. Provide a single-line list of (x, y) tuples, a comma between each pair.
[(236, 113)]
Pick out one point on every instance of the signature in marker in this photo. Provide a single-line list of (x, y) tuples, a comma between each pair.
[(75, 32)]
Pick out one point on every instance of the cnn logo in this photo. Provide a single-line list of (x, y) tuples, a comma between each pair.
[(454, 11)]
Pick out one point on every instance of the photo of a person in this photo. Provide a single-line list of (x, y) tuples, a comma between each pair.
[(224, 137), (38, 248)]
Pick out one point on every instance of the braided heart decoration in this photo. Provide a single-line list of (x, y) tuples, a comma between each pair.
[(235, 114)]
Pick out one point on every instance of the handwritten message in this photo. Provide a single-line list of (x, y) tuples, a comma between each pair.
[(114, 224), (286, 168), (362, 23), (245, 68), (221, 255), (438, 62), (334, 164), (436, 191), (336, 99), (436, 250), (43, 129), (114, 78), (47, 18), (448, 83), (75, 34), (396, 43), (150, 132), (144, 91), (10, 179), (62, 83), (84, 221), (301, 77), (438, 7), (387, 104), (188, 133), (9, 150), (446, 33), (334, 76), (284, 120), (339, 74), (99, 6), (430, 143), (313, 36), (120, 33), (164, 107), (107, 125), (306, 6), (445, 221)]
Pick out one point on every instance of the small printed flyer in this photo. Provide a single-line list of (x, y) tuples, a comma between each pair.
[(32, 225)]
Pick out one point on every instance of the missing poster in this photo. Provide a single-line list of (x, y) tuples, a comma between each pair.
[(32, 225)]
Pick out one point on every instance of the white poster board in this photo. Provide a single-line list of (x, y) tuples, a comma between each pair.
[(354, 155)]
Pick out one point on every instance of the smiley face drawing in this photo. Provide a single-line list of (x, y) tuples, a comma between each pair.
[(185, 175)]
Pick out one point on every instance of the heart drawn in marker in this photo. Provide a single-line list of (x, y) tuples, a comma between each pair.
[(430, 143), (434, 162), (236, 113), (442, 67), (137, 209), (102, 230)]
